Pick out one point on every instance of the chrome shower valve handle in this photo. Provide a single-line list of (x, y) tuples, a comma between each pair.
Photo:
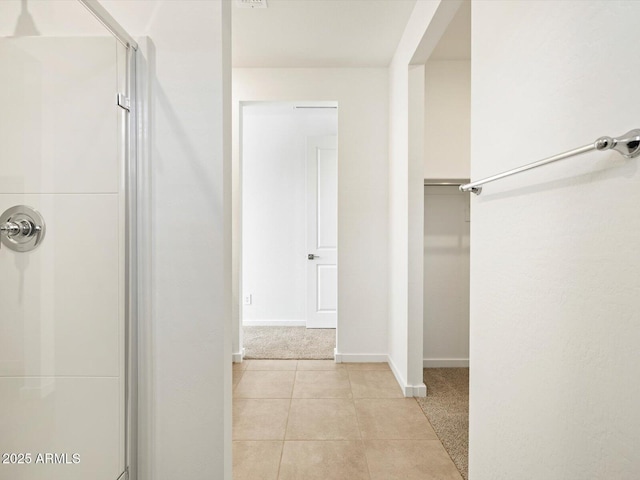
[(10, 229), (22, 228)]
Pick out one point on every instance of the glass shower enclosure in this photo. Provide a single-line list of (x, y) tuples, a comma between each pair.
[(67, 243)]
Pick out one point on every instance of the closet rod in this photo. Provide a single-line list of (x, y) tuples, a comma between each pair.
[(445, 182), (628, 145)]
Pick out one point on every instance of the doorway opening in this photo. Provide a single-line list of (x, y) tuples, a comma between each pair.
[(289, 277), (447, 107)]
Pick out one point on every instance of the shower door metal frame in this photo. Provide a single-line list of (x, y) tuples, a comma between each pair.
[(128, 135), (110, 23), (131, 283)]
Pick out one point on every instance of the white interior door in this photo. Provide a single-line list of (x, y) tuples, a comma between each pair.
[(322, 232)]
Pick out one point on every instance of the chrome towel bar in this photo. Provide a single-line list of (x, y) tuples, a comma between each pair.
[(628, 145)]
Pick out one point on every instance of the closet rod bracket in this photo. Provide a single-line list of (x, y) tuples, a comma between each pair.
[(628, 145)]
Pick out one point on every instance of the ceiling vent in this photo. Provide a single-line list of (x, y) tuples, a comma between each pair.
[(251, 3)]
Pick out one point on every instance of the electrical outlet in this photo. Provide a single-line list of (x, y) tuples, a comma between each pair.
[(247, 299)]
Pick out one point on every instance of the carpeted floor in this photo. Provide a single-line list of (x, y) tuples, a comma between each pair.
[(447, 408), (289, 343)]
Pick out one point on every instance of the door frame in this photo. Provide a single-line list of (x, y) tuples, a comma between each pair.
[(237, 218), (137, 297)]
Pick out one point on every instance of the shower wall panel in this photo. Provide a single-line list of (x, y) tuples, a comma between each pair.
[(62, 350), (58, 122)]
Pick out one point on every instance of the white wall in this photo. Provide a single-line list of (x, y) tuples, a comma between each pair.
[(185, 390), (446, 277), (447, 119), (62, 18), (555, 290), (361, 94), (274, 231)]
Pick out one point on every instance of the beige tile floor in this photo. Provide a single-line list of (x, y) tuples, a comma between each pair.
[(315, 419)]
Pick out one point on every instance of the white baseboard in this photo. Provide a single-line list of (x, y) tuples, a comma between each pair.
[(274, 323), (418, 390), (360, 357), (445, 363), (415, 390), (237, 357)]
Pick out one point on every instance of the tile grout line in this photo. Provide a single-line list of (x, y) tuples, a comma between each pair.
[(286, 425), (237, 383), (364, 448), (321, 440)]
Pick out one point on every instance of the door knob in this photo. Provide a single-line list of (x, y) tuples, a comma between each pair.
[(311, 256), (22, 228)]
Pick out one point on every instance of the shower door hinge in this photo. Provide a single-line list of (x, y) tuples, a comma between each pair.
[(124, 102)]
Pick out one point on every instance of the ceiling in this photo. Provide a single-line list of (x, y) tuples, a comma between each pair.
[(455, 44), (319, 33), (310, 33)]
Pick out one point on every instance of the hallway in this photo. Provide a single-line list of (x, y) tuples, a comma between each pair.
[(315, 419)]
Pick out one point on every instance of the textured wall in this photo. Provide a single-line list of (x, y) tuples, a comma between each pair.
[(555, 290)]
